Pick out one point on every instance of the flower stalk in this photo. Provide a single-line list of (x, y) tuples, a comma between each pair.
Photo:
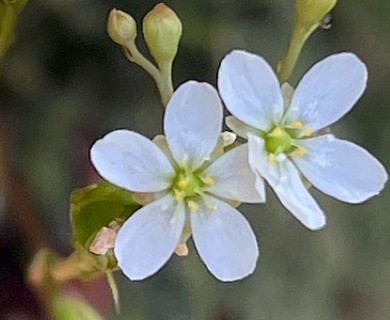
[(162, 30), (49, 270), (309, 16)]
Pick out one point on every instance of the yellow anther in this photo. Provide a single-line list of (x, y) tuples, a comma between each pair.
[(235, 203), (307, 132), (297, 124), (210, 181), (178, 195), (300, 151), (272, 158), (277, 133), (193, 206), (183, 183)]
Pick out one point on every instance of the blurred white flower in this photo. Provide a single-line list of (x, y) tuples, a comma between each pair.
[(279, 125), (192, 188)]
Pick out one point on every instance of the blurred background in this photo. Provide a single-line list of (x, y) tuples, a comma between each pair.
[(64, 84)]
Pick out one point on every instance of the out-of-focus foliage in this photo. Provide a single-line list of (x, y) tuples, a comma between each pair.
[(68, 308), (9, 11), (64, 84)]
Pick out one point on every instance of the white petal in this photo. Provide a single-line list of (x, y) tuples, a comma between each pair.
[(131, 161), (328, 91), (224, 240), (149, 237), (287, 184), (250, 89), (341, 169), (234, 179), (161, 142), (240, 128), (193, 122)]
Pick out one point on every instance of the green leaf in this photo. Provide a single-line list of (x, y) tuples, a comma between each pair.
[(68, 308), (94, 207), (9, 11)]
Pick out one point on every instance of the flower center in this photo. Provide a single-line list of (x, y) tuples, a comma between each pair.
[(187, 184), (278, 140), (283, 141)]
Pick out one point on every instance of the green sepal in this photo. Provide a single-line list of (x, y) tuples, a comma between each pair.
[(94, 207)]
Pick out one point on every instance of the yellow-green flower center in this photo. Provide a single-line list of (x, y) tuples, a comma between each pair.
[(278, 140), (187, 184)]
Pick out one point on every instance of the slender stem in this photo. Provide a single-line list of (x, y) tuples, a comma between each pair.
[(162, 75), (132, 53), (166, 89), (287, 65), (114, 290), (76, 266), (47, 268)]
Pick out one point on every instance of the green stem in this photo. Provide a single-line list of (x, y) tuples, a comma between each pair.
[(298, 40), (132, 53), (114, 290), (162, 77), (46, 266), (166, 89)]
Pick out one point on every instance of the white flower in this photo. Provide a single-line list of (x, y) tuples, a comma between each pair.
[(279, 125), (193, 190)]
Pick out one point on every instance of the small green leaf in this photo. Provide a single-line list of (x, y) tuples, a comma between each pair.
[(94, 207), (68, 308)]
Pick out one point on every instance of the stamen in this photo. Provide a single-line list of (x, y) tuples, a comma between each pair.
[(276, 133), (297, 124), (272, 158), (300, 151), (307, 132), (178, 195), (228, 138), (209, 180), (192, 206)]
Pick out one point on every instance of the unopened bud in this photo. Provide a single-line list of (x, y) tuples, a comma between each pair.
[(121, 27), (162, 30), (310, 13)]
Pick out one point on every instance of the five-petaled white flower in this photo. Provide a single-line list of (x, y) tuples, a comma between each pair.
[(279, 125), (193, 190)]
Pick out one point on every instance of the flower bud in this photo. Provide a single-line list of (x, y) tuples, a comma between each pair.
[(309, 13), (162, 31), (121, 27)]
